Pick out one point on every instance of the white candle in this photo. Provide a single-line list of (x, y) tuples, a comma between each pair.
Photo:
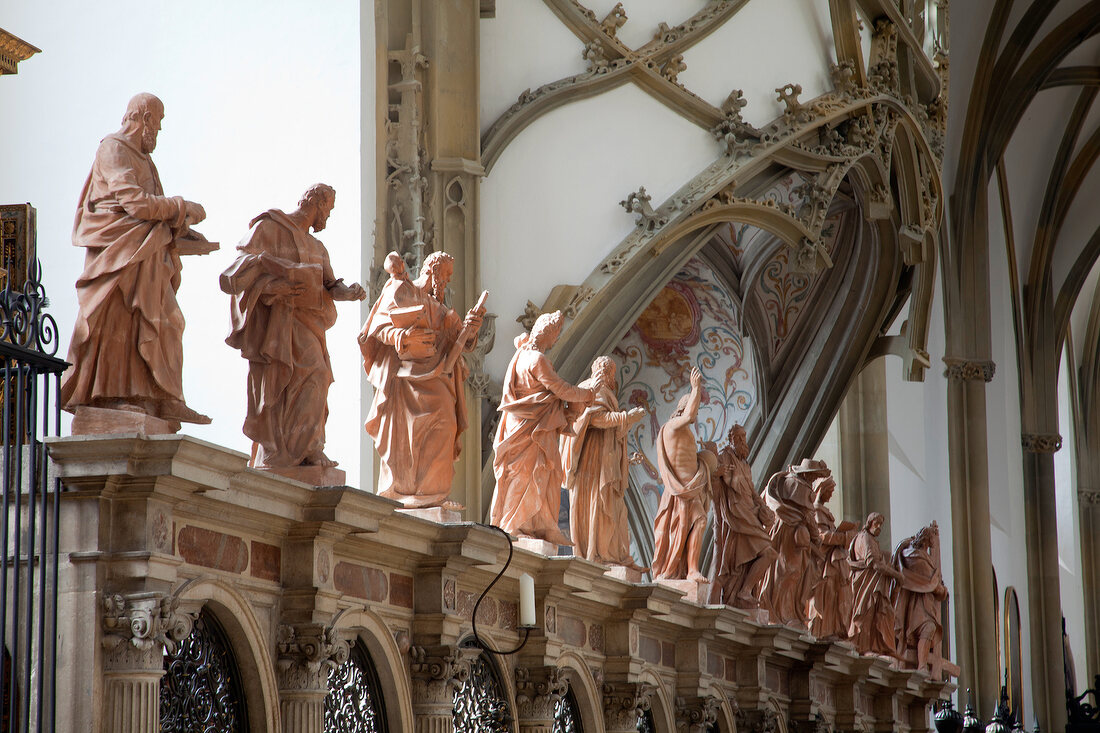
[(526, 600)]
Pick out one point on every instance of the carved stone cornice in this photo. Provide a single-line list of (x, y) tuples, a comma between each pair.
[(763, 720), (306, 655), (696, 715), (538, 691), (1041, 442), (623, 702), (969, 370), (139, 628), (437, 672)]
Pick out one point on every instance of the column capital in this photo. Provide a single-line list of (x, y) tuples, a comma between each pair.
[(538, 691), (437, 672), (696, 714), (763, 720), (1088, 496), (139, 627), (969, 370), (307, 652), (1041, 442), (623, 702)]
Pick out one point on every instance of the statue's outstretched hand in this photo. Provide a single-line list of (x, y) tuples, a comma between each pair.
[(194, 213)]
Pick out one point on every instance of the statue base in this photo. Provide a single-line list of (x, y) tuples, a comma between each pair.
[(691, 590), (622, 572), (313, 475), (534, 544), (436, 514), (105, 421)]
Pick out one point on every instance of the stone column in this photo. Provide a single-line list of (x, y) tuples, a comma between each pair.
[(136, 631), (623, 702), (975, 617), (436, 673), (696, 714), (307, 653), (1044, 594), (1088, 518), (864, 471), (538, 691)]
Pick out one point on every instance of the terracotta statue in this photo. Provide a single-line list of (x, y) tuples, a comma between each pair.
[(682, 515), (412, 344), (917, 596), (872, 627), (788, 585), (283, 293), (538, 406), (743, 549), (595, 461), (830, 610), (127, 345)]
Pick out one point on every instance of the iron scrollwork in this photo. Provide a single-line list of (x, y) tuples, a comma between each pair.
[(480, 704), (567, 718), (23, 319), (201, 688), (645, 722), (354, 701)]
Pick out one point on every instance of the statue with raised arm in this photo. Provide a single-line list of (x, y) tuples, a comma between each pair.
[(412, 345), (685, 472), (830, 609), (743, 549), (917, 596), (537, 407), (789, 583), (595, 460), (127, 346), (283, 301), (872, 627)]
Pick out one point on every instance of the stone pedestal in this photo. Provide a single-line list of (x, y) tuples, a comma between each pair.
[(540, 546), (101, 421), (436, 514), (313, 475), (691, 590), (621, 572)]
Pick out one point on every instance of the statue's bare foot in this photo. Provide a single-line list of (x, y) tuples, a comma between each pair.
[(697, 576), (181, 412), (452, 506), (745, 601), (318, 458)]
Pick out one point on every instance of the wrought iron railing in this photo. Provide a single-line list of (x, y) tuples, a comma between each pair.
[(31, 377)]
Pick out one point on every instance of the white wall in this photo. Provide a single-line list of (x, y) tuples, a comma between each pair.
[(1071, 582), (261, 101)]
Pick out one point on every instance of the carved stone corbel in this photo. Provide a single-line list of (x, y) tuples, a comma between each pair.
[(623, 703), (1041, 442), (538, 692), (696, 715), (969, 370)]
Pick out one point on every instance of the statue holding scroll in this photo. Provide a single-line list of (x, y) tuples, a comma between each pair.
[(537, 407), (830, 610), (595, 462), (872, 627), (412, 346), (918, 595), (127, 345), (789, 583), (743, 549), (284, 294), (685, 472)]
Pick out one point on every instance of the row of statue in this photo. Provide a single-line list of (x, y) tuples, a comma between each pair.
[(781, 551)]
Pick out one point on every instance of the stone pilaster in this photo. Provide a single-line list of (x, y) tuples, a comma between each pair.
[(697, 714), (622, 704), (137, 629), (307, 654), (436, 673), (538, 691)]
